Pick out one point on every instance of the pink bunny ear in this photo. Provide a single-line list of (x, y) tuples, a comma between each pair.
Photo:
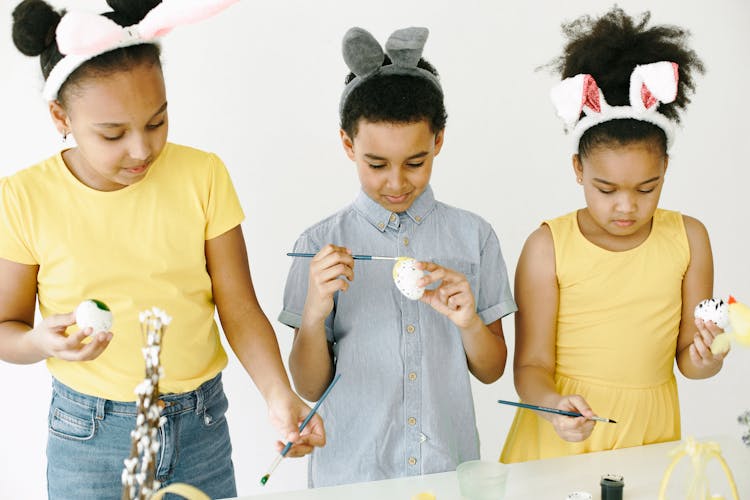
[(171, 13), (574, 95), (653, 83), (85, 33)]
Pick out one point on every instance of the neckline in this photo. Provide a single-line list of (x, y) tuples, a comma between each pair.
[(80, 185), (640, 245)]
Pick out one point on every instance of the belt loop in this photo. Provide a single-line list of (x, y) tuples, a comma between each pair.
[(100, 404), (199, 400)]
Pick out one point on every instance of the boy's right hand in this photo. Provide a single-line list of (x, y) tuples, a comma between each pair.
[(329, 271), (573, 428), (50, 339)]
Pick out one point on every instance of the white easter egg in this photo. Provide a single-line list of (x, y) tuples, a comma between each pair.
[(406, 275), (715, 310), (94, 314)]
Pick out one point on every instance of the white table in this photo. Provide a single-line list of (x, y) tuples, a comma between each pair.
[(642, 468)]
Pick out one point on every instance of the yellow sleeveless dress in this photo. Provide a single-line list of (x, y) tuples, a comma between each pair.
[(617, 327)]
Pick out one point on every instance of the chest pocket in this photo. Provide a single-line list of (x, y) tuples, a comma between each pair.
[(464, 266)]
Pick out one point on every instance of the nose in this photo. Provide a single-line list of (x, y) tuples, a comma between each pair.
[(626, 203), (139, 147), (396, 178)]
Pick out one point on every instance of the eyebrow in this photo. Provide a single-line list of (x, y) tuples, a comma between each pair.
[(602, 181), (161, 110), (412, 157)]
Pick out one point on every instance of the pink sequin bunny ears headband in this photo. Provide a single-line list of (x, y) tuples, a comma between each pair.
[(650, 84), (82, 35), (364, 57)]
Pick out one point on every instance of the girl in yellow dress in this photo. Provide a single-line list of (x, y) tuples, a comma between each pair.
[(606, 293)]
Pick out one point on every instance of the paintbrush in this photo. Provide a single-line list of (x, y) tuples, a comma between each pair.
[(288, 446), (555, 410), (355, 257)]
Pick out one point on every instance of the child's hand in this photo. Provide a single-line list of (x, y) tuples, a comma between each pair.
[(287, 413), (452, 298), (573, 428), (328, 269), (700, 349), (50, 339)]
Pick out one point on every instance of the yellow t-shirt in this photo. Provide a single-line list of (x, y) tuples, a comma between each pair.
[(135, 248)]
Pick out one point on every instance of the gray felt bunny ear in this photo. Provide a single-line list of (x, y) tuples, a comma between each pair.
[(364, 57), (362, 53), (404, 46)]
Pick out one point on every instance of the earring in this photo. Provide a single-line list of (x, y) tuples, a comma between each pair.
[(65, 136), (580, 180)]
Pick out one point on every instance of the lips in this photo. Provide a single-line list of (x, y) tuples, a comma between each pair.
[(138, 169), (396, 199), (624, 222)]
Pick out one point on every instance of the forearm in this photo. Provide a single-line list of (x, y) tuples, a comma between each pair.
[(17, 344), (535, 385), (310, 361), (691, 370), (258, 351), (486, 352)]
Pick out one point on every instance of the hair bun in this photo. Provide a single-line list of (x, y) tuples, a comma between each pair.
[(34, 23), (128, 12)]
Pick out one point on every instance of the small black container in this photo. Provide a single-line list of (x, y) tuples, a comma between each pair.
[(612, 486)]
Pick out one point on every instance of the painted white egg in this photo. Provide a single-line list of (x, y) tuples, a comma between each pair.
[(94, 314), (715, 310), (406, 275)]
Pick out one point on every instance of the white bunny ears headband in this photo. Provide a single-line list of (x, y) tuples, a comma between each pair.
[(650, 84), (82, 36), (364, 57)]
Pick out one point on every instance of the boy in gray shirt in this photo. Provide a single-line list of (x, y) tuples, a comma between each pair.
[(403, 405)]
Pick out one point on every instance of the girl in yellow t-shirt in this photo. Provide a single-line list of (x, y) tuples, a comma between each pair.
[(131, 220), (606, 294)]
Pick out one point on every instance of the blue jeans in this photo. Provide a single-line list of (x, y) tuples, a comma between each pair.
[(89, 438)]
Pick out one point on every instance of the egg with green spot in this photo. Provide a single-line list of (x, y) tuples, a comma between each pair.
[(94, 314)]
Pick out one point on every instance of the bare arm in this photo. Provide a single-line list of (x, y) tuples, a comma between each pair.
[(537, 295), (311, 359), (694, 357), (486, 351), (20, 341), (253, 340)]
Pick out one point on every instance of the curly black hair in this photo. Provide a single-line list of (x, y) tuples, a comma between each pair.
[(394, 99), (609, 48), (34, 24)]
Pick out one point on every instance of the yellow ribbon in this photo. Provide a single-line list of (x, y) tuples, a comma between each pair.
[(182, 489), (700, 454)]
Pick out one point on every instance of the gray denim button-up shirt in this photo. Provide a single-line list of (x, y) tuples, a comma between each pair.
[(403, 405)]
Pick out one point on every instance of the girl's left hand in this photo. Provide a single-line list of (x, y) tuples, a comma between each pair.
[(287, 412), (700, 349), (452, 298)]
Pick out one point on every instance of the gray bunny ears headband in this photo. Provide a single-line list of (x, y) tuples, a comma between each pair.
[(364, 57)]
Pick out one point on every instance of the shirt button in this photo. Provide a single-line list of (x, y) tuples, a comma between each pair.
[(412, 461), (418, 218), (412, 421), (406, 242), (410, 328), (381, 225), (393, 218), (412, 376)]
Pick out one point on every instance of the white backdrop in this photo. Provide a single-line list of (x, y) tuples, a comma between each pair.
[(260, 84)]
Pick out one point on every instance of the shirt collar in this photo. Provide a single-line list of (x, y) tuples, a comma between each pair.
[(382, 218)]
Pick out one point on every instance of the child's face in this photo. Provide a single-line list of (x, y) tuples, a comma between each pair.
[(119, 122), (394, 160), (622, 185)]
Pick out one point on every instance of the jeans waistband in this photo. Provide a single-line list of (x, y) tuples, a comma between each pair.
[(173, 403)]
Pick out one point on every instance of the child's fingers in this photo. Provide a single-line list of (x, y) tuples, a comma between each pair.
[(93, 349), (576, 403), (707, 330), (703, 350), (333, 272), (61, 321)]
